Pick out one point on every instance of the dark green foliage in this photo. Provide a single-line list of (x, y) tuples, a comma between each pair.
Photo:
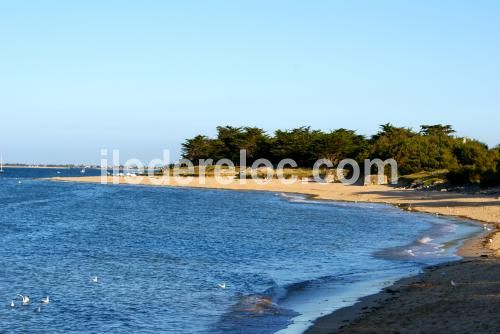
[(432, 148), (227, 145), (438, 129), (301, 145), (341, 144), (477, 164), (428, 150), (199, 147)]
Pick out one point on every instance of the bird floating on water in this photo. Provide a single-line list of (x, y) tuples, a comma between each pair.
[(25, 299), (410, 252), (12, 304), (222, 286), (95, 279), (452, 282), (45, 300), (38, 309)]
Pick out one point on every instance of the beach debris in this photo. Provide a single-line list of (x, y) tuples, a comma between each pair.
[(25, 299), (452, 282), (258, 304), (419, 285), (490, 240), (45, 300), (486, 227), (391, 291), (222, 285)]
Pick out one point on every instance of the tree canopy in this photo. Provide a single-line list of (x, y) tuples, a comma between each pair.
[(433, 147)]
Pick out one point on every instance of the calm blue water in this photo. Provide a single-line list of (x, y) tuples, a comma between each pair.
[(160, 253)]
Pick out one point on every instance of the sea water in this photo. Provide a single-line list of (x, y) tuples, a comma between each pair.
[(160, 254)]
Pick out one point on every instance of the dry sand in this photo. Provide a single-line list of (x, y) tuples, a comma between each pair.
[(423, 304)]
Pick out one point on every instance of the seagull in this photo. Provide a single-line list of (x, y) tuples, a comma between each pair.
[(12, 304), (45, 300), (38, 309), (26, 299), (94, 279), (222, 286), (452, 282), (410, 252), (486, 227)]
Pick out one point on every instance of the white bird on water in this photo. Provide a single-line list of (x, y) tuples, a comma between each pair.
[(452, 282), (45, 300), (25, 299), (95, 279), (222, 286), (410, 252), (12, 304)]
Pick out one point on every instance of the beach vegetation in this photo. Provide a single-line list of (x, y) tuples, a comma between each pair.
[(433, 149)]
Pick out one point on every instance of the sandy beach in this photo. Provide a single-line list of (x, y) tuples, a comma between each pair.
[(422, 304), (427, 303)]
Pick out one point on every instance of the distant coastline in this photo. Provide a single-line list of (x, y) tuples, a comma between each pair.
[(40, 167)]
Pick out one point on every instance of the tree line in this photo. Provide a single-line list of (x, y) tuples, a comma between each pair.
[(433, 147)]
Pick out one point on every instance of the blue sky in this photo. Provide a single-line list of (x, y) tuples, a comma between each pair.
[(141, 76)]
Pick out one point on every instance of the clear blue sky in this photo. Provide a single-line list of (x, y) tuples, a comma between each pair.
[(140, 76)]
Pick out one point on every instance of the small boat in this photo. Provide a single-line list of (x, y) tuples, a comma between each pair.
[(1, 164)]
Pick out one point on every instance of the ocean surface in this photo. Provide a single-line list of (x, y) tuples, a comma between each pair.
[(159, 255)]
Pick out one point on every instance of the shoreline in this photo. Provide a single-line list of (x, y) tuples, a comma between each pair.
[(482, 209), (426, 303), (478, 251)]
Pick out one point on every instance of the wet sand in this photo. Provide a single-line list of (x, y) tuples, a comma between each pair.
[(427, 303)]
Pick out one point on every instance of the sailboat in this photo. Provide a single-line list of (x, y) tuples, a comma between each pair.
[(1, 164)]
